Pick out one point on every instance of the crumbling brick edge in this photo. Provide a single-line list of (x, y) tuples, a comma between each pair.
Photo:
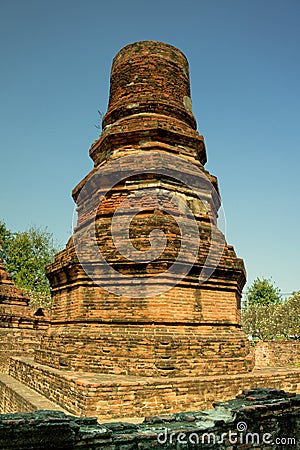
[(257, 418)]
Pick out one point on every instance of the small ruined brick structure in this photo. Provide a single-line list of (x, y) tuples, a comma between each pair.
[(9, 293), (20, 325), (191, 329)]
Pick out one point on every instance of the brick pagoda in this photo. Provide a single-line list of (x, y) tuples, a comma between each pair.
[(191, 329), (138, 341)]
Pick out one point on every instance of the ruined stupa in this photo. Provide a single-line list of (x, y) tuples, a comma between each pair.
[(145, 314), (191, 328)]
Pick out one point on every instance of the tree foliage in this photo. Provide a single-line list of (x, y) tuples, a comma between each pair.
[(5, 237), (290, 315), (263, 292), (274, 320), (26, 255)]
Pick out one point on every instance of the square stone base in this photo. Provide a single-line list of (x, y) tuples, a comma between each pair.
[(109, 397)]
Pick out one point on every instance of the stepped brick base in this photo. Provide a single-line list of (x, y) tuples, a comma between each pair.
[(145, 350), (108, 396)]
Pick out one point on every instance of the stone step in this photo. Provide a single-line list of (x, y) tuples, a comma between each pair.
[(16, 396), (108, 396)]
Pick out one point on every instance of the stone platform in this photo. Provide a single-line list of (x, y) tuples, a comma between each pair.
[(107, 396)]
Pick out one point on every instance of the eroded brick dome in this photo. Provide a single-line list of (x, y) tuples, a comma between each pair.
[(151, 77)]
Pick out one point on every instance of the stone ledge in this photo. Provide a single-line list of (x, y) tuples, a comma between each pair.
[(267, 415), (111, 397), (33, 399), (86, 378)]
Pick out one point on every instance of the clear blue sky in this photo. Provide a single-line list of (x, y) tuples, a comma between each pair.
[(245, 71)]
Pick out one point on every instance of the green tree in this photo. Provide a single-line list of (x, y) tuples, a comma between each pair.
[(263, 321), (5, 237), (290, 316), (263, 292), (26, 255), (274, 320)]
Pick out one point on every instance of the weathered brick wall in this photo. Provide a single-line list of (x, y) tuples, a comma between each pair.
[(17, 342), (277, 353), (16, 397), (12, 401), (121, 337), (141, 349), (265, 419), (93, 303)]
